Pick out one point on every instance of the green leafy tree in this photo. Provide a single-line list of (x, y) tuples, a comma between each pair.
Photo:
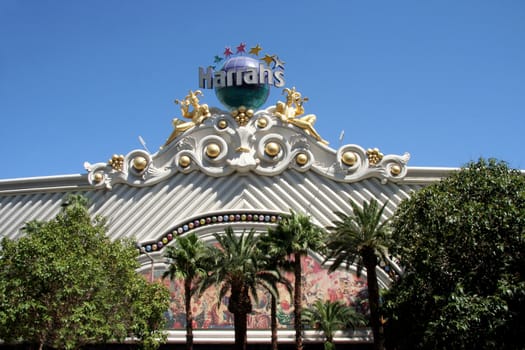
[(462, 242), (362, 238), (65, 284), (187, 261), (296, 235), (331, 316), (239, 267)]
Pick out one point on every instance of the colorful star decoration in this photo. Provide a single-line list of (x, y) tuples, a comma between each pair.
[(268, 59), (227, 52), (255, 50), (241, 48), (278, 62)]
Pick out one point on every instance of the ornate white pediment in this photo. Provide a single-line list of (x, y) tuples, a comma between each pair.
[(264, 144)]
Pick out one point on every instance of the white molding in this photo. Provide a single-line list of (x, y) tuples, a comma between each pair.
[(285, 336)]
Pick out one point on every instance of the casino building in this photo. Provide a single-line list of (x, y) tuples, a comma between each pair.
[(242, 167)]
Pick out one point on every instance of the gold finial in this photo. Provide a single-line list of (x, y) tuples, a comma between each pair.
[(117, 162), (197, 115), (242, 115), (374, 156), (290, 111)]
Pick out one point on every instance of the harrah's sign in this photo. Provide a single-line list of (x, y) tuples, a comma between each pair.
[(209, 78)]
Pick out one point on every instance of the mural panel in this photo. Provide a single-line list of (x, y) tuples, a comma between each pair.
[(318, 284)]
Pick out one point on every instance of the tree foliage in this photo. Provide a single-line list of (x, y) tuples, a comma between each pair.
[(462, 242), (331, 316), (296, 234), (276, 258), (239, 267), (362, 238), (65, 284), (187, 261)]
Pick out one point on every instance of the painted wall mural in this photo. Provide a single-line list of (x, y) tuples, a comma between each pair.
[(318, 284)]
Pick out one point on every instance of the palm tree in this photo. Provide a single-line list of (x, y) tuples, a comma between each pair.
[(331, 316), (275, 258), (296, 235), (239, 267), (187, 262), (362, 239)]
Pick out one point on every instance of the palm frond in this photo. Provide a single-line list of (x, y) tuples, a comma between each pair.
[(352, 235)]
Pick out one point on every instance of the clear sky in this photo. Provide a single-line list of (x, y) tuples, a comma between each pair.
[(441, 79)]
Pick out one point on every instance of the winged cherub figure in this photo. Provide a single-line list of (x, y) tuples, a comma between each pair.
[(197, 114), (291, 110)]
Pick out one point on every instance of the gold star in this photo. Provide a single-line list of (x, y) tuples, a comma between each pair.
[(268, 59), (255, 50)]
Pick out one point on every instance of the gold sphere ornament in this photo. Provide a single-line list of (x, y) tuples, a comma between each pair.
[(184, 161), (223, 124), (213, 150), (395, 170), (262, 122), (140, 163), (349, 158), (98, 177), (272, 149), (301, 159)]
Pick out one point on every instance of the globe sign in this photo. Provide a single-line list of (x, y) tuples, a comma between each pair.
[(249, 95)]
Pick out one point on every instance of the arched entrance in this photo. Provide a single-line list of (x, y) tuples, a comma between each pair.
[(212, 321)]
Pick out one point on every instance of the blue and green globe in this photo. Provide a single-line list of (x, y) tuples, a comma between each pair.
[(249, 95)]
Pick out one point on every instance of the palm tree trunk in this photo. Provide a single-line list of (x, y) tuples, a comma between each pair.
[(240, 306), (297, 302), (329, 344), (370, 262), (189, 314), (240, 324), (273, 316)]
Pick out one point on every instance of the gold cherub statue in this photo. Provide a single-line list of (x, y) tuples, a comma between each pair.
[(197, 115), (290, 111)]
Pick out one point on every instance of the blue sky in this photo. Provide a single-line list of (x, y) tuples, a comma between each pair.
[(81, 80)]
